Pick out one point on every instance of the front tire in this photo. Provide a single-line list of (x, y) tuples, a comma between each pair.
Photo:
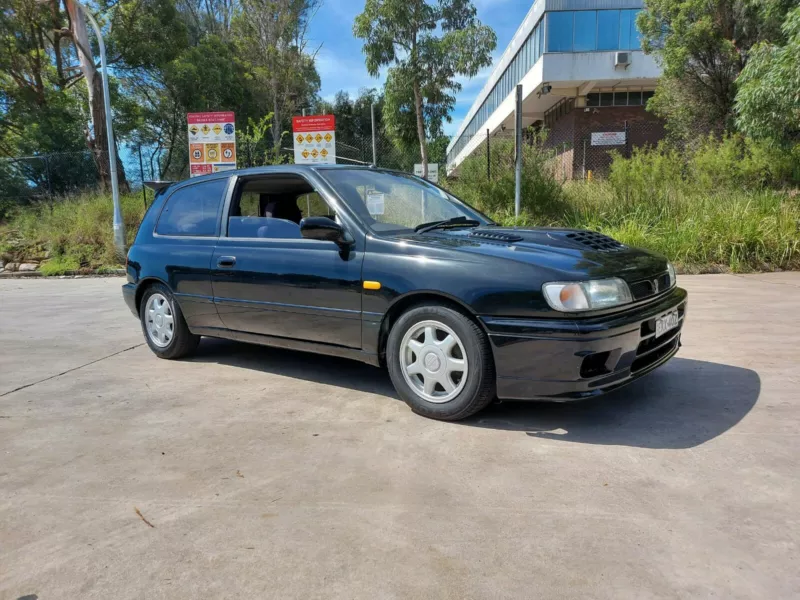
[(163, 325), (440, 363)]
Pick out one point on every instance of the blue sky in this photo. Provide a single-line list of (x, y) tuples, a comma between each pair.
[(340, 62)]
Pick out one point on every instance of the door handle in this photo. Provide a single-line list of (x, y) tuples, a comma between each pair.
[(226, 261)]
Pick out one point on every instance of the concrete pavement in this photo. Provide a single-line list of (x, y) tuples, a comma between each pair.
[(273, 474)]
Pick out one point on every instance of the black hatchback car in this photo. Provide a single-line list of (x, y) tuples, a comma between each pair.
[(389, 269)]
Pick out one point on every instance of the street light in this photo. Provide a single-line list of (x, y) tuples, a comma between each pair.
[(119, 226)]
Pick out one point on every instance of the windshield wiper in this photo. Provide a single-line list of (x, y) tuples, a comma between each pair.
[(454, 222)]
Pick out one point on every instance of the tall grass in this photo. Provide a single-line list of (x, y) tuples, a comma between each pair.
[(709, 211), (73, 232)]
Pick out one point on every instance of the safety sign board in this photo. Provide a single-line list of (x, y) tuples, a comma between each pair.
[(212, 142), (608, 138), (314, 140)]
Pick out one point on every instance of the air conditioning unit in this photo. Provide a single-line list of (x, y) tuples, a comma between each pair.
[(622, 59)]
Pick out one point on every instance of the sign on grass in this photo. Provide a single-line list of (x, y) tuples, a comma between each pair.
[(314, 140), (212, 142)]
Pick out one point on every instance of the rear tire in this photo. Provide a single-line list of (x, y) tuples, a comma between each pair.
[(163, 325), (440, 363)]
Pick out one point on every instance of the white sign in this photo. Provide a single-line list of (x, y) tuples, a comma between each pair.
[(433, 172), (212, 142), (376, 204), (608, 138), (314, 140)]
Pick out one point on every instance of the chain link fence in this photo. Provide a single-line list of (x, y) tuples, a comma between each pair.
[(568, 152)]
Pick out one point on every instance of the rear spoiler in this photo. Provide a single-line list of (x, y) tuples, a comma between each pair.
[(157, 186)]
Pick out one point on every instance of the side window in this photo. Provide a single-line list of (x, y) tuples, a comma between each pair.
[(193, 210), (271, 207)]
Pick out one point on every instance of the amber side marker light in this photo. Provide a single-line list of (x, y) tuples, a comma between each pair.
[(372, 285)]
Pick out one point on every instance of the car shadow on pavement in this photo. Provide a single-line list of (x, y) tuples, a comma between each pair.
[(681, 405), (327, 370)]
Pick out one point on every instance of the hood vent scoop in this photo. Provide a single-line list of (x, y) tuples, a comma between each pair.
[(595, 241), (495, 236)]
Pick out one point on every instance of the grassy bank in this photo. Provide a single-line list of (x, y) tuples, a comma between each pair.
[(700, 230), (68, 234), (727, 206), (737, 231)]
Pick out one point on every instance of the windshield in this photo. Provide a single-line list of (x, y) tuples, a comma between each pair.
[(395, 202)]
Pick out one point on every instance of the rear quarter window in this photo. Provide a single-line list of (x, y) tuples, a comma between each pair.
[(193, 210)]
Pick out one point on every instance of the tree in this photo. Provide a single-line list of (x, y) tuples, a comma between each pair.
[(768, 100), (702, 46), (274, 41), (426, 46)]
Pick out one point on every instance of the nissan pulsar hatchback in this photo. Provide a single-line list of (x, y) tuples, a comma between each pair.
[(389, 269)]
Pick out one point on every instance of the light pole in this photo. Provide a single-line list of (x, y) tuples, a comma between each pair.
[(119, 226)]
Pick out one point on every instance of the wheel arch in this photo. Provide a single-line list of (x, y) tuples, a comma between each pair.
[(408, 301), (142, 286)]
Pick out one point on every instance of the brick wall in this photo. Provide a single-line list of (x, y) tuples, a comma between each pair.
[(571, 136)]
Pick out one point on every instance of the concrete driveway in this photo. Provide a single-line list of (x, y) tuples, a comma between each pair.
[(249, 472)]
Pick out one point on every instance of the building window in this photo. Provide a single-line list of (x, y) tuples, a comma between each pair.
[(620, 98), (607, 29), (528, 55), (559, 31), (585, 31), (590, 30)]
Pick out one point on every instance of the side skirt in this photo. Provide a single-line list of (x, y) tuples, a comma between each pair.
[(289, 343)]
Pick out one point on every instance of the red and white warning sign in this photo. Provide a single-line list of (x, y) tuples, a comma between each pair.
[(212, 142), (314, 140)]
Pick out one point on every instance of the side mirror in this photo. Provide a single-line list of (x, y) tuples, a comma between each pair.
[(325, 229)]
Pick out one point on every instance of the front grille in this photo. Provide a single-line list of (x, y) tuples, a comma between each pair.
[(652, 349), (645, 288), (595, 241), (497, 236)]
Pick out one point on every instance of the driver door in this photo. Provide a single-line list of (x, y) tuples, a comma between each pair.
[(269, 280)]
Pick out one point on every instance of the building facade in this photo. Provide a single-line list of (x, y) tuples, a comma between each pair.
[(584, 77)]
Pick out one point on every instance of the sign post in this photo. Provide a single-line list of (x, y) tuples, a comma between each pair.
[(212, 142), (314, 140)]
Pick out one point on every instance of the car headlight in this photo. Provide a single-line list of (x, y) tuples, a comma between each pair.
[(586, 295), (673, 279)]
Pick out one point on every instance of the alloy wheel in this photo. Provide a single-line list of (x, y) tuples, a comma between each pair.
[(433, 361)]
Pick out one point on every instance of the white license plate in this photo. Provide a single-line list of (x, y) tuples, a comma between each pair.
[(667, 322)]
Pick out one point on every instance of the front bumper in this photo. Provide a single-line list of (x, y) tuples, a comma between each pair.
[(571, 359)]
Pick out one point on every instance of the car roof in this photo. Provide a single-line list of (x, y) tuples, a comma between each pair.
[(297, 169)]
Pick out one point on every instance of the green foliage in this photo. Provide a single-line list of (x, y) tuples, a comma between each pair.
[(253, 151), (74, 231), (768, 100), (541, 198), (60, 265), (426, 45), (708, 211), (700, 231), (732, 163), (703, 46)]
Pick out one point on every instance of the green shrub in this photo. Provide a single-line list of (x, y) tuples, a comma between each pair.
[(541, 193), (79, 230), (59, 265), (736, 161)]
